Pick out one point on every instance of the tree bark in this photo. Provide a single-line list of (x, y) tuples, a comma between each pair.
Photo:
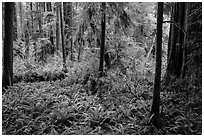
[(57, 26), (103, 28), (157, 80), (8, 45), (176, 45), (71, 28), (15, 23), (49, 6), (68, 22), (19, 19), (27, 33), (38, 8), (31, 15), (62, 37), (185, 40)]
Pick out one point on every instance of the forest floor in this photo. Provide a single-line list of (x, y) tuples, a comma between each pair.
[(80, 103)]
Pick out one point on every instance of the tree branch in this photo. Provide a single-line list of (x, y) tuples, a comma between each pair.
[(176, 24)]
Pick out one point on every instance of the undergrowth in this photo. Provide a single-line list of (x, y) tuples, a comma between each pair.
[(46, 101), (121, 105)]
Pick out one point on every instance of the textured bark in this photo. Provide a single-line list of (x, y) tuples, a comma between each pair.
[(170, 33), (176, 41), (62, 37), (68, 22), (19, 19), (71, 23), (27, 33), (173, 36), (103, 28), (49, 6), (31, 16), (57, 26), (157, 80), (79, 53), (50, 33), (187, 5), (40, 18), (7, 79), (15, 23), (180, 39)]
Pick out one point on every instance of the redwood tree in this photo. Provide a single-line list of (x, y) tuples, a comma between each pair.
[(103, 28), (62, 37), (68, 22), (155, 116), (177, 38), (57, 25), (7, 79), (185, 28)]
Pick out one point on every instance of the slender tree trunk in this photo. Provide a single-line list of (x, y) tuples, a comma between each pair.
[(19, 19), (68, 21), (39, 7), (71, 40), (15, 31), (43, 10), (79, 53), (103, 28), (172, 44), (157, 80), (57, 26), (27, 33), (176, 42), (181, 16), (50, 33), (62, 36), (31, 15), (26, 41), (7, 79), (66, 10), (49, 6), (170, 33), (36, 26), (185, 40), (43, 6)]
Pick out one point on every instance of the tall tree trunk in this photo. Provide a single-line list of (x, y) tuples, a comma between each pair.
[(103, 29), (57, 26), (180, 38), (68, 22), (43, 10), (36, 25), (7, 79), (71, 40), (62, 36), (185, 39), (43, 6), (66, 10), (79, 53), (19, 19), (31, 15), (176, 45), (27, 41), (27, 32), (15, 31), (50, 33), (39, 11), (157, 80), (49, 6), (170, 33)]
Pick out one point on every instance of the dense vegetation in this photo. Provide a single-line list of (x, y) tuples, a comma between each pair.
[(89, 68)]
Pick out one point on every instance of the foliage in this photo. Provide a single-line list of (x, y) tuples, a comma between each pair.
[(121, 105), (46, 101)]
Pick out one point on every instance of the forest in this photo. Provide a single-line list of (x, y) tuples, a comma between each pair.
[(101, 68)]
